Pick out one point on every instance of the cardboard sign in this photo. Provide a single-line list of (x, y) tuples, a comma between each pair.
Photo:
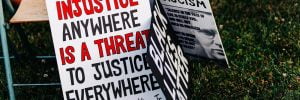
[(100, 47), (195, 26), (166, 57)]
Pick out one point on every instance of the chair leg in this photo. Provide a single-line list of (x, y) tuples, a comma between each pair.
[(6, 55)]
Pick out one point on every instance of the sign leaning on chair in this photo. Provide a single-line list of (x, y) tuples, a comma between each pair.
[(102, 47)]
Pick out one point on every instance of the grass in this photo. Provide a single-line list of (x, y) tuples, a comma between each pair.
[(262, 42), (261, 39)]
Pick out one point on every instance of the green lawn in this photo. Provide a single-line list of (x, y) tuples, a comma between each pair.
[(262, 42), (261, 39)]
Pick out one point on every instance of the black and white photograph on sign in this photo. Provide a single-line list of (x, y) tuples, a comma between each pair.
[(166, 58), (196, 29)]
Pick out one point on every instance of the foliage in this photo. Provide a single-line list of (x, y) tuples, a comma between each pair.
[(261, 39)]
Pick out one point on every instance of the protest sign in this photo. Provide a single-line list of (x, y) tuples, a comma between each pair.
[(166, 57), (195, 26), (100, 47)]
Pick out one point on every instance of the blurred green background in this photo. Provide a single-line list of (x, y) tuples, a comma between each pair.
[(261, 39)]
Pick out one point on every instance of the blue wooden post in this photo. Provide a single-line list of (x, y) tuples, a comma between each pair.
[(6, 55)]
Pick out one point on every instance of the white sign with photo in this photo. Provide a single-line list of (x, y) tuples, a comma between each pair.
[(195, 26)]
